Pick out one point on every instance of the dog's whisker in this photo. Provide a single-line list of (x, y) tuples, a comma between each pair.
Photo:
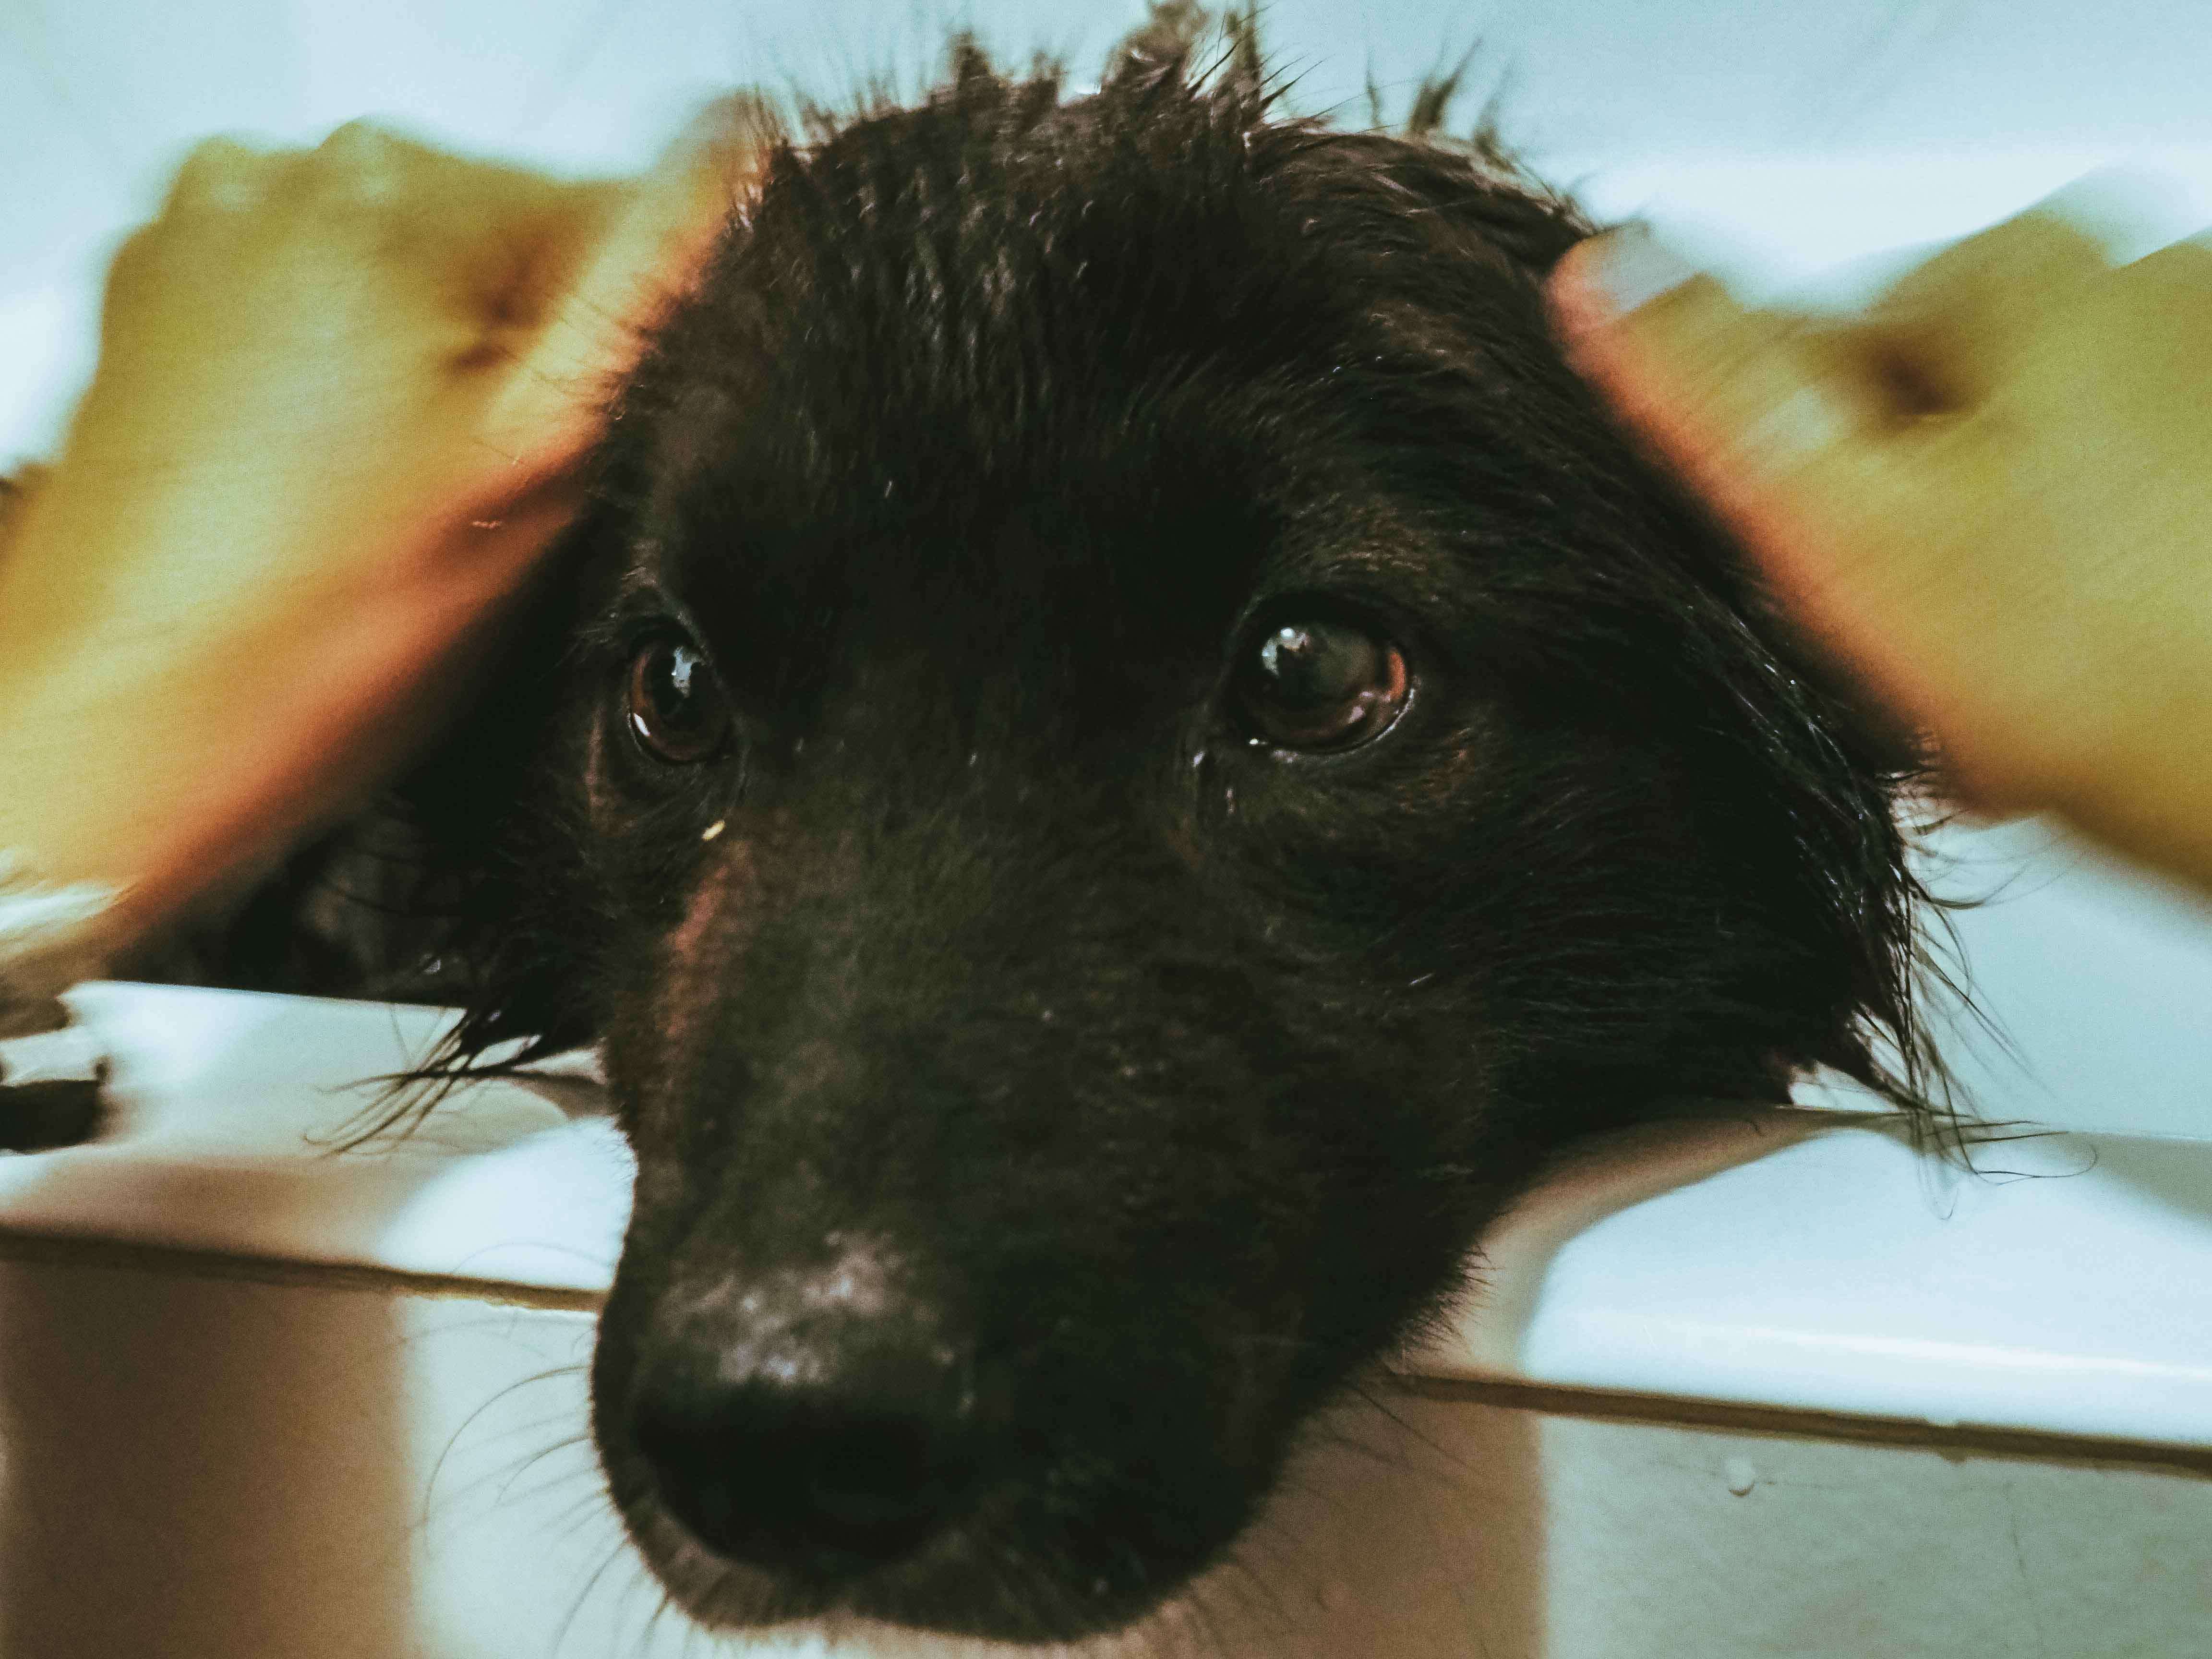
[(614, 1554), (476, 1413)]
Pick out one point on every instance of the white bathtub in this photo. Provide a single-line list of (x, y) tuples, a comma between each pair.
[(1771, 1385)]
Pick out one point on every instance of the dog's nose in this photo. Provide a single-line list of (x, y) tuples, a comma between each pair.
[(826, 1439)]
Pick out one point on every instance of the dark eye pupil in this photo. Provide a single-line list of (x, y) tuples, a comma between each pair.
[(1308, 665), (676, 707), (1321, 684), (676, 671)]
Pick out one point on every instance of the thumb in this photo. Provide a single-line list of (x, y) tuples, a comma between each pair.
[(1812, 441), (1745, 401)]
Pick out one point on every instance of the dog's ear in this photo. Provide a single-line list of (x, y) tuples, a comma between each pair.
[(498, 822), (1879, 735)]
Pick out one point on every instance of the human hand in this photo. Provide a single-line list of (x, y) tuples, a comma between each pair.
[(339, 399), (1989, 497)]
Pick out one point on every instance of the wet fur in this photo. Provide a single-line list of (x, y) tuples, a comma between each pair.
[(1167, 1078)]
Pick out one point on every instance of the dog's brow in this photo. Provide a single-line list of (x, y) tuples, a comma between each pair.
[(641, 594)]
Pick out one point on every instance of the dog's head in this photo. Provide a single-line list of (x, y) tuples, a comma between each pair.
[(1134, 751)]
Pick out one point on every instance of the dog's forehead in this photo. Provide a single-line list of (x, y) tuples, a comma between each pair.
[(1092, 381), (940, 474), (1125, 546)]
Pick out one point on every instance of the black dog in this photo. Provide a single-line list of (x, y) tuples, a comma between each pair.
[(1124, 754)]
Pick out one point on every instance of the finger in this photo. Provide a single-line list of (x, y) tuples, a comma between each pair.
[(220, 177), (490, 245), (509, 246), (362, 161), (1964, 319), (1802, 436), (2165, 296), (220, 174), (1740, 399)]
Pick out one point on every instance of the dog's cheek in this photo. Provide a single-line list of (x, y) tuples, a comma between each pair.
[(1376, 907), (664, 999), (1391, 805)]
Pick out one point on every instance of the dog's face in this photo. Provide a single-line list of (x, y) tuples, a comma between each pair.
[(1134, 753)]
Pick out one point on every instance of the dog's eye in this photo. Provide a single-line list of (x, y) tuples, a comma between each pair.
[(1316, 683), (676, 709)]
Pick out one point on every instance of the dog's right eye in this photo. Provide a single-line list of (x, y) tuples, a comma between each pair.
[(1320, 684), (675, 705)]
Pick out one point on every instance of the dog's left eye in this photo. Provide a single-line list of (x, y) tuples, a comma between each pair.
[(676, 709), (1317, 684)]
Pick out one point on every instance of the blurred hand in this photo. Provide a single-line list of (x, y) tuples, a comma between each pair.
[(1989, 496), (340, 397)]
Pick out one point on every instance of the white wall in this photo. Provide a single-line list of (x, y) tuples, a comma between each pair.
[(1776, 138), (97, 96)]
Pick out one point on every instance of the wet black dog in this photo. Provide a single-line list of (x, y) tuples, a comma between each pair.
[(1124, 753)]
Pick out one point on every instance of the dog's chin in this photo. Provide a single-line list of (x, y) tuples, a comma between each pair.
[(968, 1592)]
